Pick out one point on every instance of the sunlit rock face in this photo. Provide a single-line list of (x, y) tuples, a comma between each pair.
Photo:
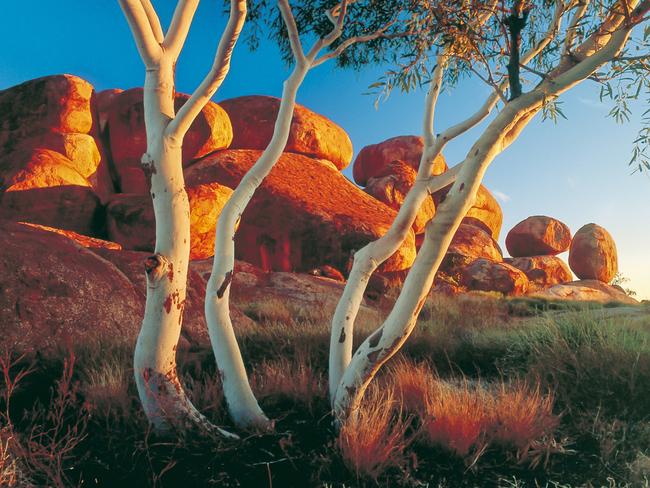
[(43, 187), (542, 271), (374, 158), (485, 275), (538, 235), (127, 137), (592, 255), (253, 119), (304, 215), (131, 223), (485, 212), (51, 168), (391, 186)]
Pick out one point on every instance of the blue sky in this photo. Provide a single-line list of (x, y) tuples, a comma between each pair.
[(575, 171)]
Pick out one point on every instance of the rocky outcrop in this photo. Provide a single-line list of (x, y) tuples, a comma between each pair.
[(131, 223), (82, 240), (586, 291), (469, 244), (593, 254), (51, 168), (253, 119), (210, 131), (304, 215), (43, 187), (374, 158), (538, 235), (542, 271), (485, 275), (486, 212), (392, 184)]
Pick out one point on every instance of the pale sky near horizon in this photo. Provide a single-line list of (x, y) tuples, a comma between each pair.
[(575, 171)]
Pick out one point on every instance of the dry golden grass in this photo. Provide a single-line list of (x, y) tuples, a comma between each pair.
[(294, 379), (373, 440), (465, 417), (523, 415)]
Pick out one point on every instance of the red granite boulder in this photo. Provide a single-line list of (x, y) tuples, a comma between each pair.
[(538, 235), (210, 131), (485, 275), (372, 159), (543, 271), (253, 119), (593, 254), (306, 214)]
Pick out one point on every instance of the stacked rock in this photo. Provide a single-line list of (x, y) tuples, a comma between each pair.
[(388, 170), (51, 169), (534, 244)]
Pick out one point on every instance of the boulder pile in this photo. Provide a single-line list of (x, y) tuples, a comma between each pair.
[(70, 168)]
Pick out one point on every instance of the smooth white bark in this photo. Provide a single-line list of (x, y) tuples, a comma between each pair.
[(501, 132), (242, 405), (161, 393)]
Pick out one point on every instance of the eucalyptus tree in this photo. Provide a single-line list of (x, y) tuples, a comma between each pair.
[(161, 393), (529, 53), (359, 25)]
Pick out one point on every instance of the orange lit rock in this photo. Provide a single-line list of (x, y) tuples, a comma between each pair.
[(538, 235), (486, 212), (60, 103), (253, 119), (83, 241), (392, 184), (304, 215), (372, 159), (210, 131), (543, 271), (131, 223), (593, 254), (43, 187), (485, 275)]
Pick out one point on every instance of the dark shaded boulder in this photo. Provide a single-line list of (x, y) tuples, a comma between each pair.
[(484, 275)]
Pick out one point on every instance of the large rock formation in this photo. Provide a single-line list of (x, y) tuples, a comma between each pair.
[(374, 158), (392, 184), (51, 168), (304, 215), (542, 271), (538, 235), (131, 222), (253, 119), (485, 275), (210, 131), (486, 212), (593, 254)]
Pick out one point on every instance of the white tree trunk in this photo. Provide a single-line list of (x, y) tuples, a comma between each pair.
[(500, 133), (242, 405), (161, 393)]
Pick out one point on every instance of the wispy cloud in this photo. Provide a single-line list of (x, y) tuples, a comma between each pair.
[(501, 196)]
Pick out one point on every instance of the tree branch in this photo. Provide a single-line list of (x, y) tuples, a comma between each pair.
[(572, 29), (211, 83), (138, 21), (154, 21), (180, 26), (292, 31)]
